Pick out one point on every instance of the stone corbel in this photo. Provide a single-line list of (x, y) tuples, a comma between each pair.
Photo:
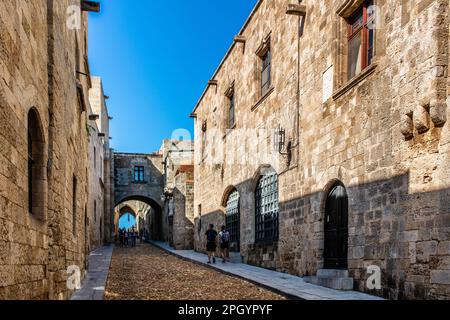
[(213, 83), (438, 112), (240, 39), (296, 10), (407, 126), (422, 116)]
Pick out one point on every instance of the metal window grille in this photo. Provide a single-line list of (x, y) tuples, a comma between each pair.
[(267, 208), (233, 217), (139, 174), (231, 114), (265, 72)]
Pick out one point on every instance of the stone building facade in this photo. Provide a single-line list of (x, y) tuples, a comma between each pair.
[(322, 140), (139, 177), (161, 185), (99, 208), (44, 87), (178, 193)]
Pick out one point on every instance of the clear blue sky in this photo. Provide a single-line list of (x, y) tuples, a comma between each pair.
[(127, 221), (155, 58)]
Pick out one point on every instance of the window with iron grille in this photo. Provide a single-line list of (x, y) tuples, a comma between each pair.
[(265, 72), (266, 198), (361, 35), (139, 174), (233, 218), (231, 118)]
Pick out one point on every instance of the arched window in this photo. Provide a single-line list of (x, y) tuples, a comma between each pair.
[(36, 173), (233, 218), (266, 201)]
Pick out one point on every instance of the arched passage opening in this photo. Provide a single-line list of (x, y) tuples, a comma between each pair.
[(127, 217), (146, 212)]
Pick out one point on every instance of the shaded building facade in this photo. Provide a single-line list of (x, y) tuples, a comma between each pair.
[(322, 143)]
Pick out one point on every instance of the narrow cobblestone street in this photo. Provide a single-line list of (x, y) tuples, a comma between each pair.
[(149, 273)]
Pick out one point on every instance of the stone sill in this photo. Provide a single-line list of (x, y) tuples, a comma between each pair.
[(264, 97), (139, 182), (355, 81), (228, 131), (266, 243)]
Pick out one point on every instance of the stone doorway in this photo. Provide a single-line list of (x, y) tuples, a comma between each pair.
[(336, 228)]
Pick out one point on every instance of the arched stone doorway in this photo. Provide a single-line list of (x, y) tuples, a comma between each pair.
[(149, 220), (336, 228)]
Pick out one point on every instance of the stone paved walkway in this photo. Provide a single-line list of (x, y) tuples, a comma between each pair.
[(281, 282), (93, 287)]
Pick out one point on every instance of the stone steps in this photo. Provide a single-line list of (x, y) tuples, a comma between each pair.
[(331, 278)]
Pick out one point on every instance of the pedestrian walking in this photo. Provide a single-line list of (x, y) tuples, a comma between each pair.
[(224, 241), (133, 238), (211, 243), (126, 236)]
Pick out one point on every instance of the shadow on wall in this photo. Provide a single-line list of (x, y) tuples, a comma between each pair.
[(181, 225), (406, 235)]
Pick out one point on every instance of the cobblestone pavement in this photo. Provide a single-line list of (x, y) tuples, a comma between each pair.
[(149, 273)]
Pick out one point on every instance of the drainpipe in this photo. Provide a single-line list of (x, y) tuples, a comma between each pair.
[(300, 11)]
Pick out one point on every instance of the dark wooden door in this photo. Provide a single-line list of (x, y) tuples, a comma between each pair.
[(336, 228)]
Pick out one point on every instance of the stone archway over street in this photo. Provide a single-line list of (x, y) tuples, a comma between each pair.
[(139, 187)]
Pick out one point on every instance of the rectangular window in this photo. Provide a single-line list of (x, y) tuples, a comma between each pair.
[(74, 206), (139, 174), (95, 211), (265, 72), (204, 138), (231, 112), (95, 158), (360, 39)]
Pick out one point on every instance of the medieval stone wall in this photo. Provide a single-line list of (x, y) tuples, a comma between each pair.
[(182, 218), (38, 54), (125, 184), (383, 134), (99, 207)]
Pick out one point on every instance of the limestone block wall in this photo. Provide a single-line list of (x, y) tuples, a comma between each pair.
[(384, 135), (125, 186), (183, 212), (38, 56)]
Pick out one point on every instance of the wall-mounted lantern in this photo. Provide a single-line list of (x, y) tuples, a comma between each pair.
[(279, 139), (280, 145)]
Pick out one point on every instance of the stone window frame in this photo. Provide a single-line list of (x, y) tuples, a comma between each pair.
[(140, 171), (204, 141), (340, 49), (265, 46), (230, 95)]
